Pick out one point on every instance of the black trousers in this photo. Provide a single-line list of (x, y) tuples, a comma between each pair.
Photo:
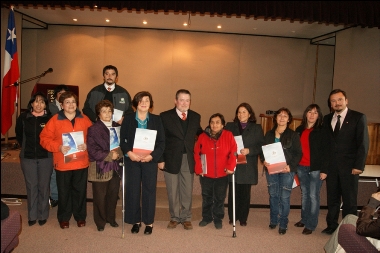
[(242, 201), (341, 186), (72, 191), (105, 200)]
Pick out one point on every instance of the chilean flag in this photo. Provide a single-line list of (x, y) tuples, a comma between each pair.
[(11, 75)]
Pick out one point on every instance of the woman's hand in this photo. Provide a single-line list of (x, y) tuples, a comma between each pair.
[(146, 159), (229, 172), (266, 164), (134, 157), (286, 169), (82, 147), (115, 155), (244, 151), (322, 176), (64, 149)]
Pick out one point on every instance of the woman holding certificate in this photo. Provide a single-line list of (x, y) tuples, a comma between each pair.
[(66, 135), (246, 174), (310, 170), (280, 182), (142, 139), (104, 167), (215, 159)]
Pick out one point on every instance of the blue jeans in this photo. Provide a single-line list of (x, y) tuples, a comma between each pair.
[(310, 188), (279, 188)]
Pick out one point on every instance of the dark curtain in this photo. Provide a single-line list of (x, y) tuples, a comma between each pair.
[(349, 13)]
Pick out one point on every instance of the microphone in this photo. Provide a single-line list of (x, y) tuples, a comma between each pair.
[(13, 84)]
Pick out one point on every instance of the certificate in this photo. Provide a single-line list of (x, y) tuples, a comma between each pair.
[(241, 159), (73, 140), (274, 155), (114, 137), (117, 115), (145, 140)]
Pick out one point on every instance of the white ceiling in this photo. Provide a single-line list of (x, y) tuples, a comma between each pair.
[(174, 21)]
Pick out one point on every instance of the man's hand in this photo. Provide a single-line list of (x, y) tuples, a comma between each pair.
[(120, 121), (356, 171), (322, 176), (161, 166)]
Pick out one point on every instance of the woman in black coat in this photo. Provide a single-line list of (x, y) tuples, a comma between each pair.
[(141, 169), (246, 174)]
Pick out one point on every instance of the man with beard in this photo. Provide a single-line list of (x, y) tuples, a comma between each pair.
[(109, 90), (347, 136)]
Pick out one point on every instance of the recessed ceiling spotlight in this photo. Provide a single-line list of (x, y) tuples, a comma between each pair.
[(75, 19), (144, 22), (107, 20), (185, 24), (219, 26), (95, 6)]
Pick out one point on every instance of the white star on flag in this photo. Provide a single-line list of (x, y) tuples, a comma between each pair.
[(12, 34)]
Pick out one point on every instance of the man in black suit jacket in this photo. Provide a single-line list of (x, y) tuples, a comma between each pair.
[(347, 135), (182, 126)]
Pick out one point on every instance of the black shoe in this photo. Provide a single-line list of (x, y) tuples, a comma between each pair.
[(272, 226), (42, 222), (31, 222), (114, 224), (307, 231), (53, 202), (136, 228), (100, 228), (282, 231), (328, 230), (299, 224), (148, 230)]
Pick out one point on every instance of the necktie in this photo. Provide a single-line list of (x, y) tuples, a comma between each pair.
[(337, 126), (109, 89), (183, 116)]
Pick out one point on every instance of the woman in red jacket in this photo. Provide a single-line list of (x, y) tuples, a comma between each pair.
[(71, 169), (215, 159)]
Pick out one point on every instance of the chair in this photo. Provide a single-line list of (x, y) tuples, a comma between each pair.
[(351, 242), (10, 229)]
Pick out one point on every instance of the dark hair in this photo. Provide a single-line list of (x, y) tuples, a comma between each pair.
[(276, 113), (59, 88), (34, 97), (318, 123), (251, 118), (110, 67), (217, 115), (139, 96), (102, 104), (182, 91), (338, 91), (68, 94)]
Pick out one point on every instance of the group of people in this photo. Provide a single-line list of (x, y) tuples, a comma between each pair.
[(333, 147)]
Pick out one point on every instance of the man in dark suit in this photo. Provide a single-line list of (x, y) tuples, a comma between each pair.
[(182, 126), (347, 135)]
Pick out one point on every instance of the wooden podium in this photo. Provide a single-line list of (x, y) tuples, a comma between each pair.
[(48, 90)]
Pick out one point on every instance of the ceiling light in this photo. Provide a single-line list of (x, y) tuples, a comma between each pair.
[(293, 31), (185, 24), (219, 26), (95, 6), (144, 22), (107, 20), (75, 19)]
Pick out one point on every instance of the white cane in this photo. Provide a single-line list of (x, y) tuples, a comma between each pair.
[(233, 205), (123, 199)]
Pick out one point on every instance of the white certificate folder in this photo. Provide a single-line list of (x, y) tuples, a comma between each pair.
[(274, 155), (73, 139), (145, 140)]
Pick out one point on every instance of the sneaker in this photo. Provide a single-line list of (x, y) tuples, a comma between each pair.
[(53, 202), (203, 223), (218, 225)]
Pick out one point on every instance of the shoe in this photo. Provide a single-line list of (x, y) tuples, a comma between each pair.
[(272, 226), (81, 223), (53, 202), (100, 229), (64, 224), (31, 222), (282, 231), (148, 230), (136, 228), (42, 222), (243, 223), (328, 230), (187, 225), (203, 223), (307, 231), (114, 224), (299, 224), (172, 224), (218, 225)]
